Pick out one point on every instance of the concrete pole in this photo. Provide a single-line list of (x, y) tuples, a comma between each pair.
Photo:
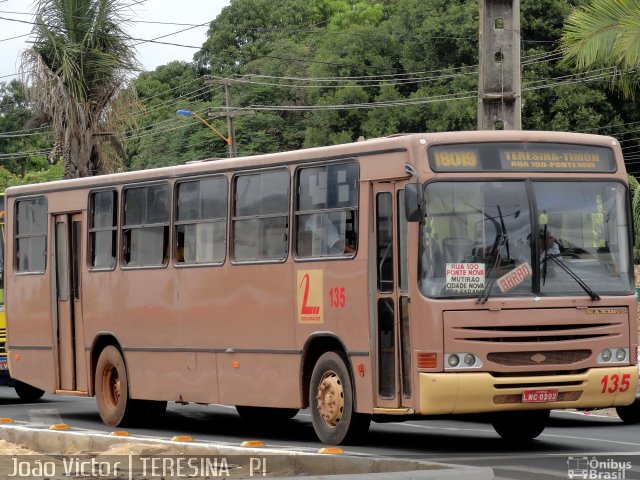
[(499, 83)]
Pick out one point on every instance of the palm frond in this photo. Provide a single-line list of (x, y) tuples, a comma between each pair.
[(77, 70)]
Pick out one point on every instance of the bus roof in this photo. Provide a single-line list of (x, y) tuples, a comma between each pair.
[(361, 148)]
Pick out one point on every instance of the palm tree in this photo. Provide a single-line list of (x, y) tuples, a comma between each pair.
[(606, 33), (77, 72)]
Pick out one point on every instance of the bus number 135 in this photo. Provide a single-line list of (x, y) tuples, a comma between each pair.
[(337, 297), (612, 383)]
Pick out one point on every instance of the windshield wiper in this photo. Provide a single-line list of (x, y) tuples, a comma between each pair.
[(502, 240), (554, 258)]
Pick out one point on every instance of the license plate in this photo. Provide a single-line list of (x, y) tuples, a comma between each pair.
[(533, 396), (4, 365)]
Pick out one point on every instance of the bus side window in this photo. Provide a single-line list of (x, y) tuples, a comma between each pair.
[(260, 220), (326, 211), (103, 229), (146, 225), (201, 221), (31, 235)]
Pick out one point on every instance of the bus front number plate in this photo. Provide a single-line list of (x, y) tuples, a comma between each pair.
[(533, 396)]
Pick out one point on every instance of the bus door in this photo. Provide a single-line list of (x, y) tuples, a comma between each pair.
[(393, 349), (68, 326)]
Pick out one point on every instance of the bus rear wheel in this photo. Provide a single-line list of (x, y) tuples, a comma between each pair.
[(332, 404), (26, 392), (520, 426), (112, 388)]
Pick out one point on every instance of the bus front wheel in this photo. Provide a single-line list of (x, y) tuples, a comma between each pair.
[(520, 426), (332, 403), (630, 413), (112, 388)]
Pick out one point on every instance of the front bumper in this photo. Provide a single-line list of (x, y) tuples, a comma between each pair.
[(480, 392)]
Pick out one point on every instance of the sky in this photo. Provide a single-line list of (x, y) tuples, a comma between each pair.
[(151, 55)]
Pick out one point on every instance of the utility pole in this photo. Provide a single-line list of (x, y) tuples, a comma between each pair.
[(500, 83), (230, 113)]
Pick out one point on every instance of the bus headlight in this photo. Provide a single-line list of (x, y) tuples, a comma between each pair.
[(461, 360), (453, 360), (614, 355), (469, 360)]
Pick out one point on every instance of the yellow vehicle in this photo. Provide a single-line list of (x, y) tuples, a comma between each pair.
[(4, 368)]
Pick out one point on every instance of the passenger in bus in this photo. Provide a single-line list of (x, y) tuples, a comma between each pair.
[(318, 235), (336, 242), (551, 245)]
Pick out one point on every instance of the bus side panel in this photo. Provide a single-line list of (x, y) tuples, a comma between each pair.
[(144, 321), (265, 380), (342, 289), (30, 334), (242, 309)]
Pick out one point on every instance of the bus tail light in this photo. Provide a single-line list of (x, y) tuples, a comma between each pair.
[(427, 360)]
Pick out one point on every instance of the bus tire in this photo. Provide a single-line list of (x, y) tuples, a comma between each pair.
[(520, 426), (266, 414), (26, 392), (112, 389), (332, 404), (630, 413)]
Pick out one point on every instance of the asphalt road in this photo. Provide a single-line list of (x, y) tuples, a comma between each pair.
[(596, 446)]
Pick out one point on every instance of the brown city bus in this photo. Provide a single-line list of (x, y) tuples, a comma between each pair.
[(415, 275)]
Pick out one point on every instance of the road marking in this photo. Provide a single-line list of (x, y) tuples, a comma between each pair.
[(568, 437), (455, 429), (586, 414), (45, 416), (516, 456), (544, 472)]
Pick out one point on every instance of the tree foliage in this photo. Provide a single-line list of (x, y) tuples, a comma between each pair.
[(330, 71), (319, 72), (77, 73), (606, 33)]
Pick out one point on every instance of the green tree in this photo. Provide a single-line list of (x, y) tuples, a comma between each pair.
[(606, 33), (77, 70), (634, 187), (22, 149)]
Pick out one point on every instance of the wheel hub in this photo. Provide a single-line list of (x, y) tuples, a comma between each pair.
[(330, 399), (113, 383)]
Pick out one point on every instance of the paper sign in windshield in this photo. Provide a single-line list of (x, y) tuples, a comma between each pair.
[(515, 277), (465, 277)]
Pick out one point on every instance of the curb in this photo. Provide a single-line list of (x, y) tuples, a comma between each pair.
[(314, 465)]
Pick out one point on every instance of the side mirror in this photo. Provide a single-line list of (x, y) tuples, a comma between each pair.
[(413, 208)]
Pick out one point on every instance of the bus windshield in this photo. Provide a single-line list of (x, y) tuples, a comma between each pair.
[(506, 238)]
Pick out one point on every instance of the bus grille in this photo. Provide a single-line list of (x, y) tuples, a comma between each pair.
[(539, 333), (553, 357), (530, 340)]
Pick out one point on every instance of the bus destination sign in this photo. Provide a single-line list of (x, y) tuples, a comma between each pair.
[(523, 157), (552, 160)]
